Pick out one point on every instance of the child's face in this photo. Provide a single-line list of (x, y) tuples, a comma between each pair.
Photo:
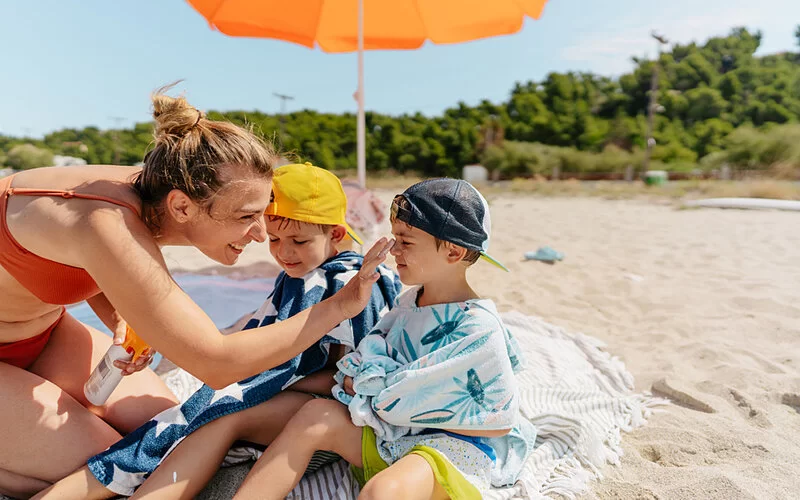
[(418, 260), (299, 247)]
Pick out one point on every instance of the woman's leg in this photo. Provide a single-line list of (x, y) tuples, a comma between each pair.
[(190, 466), (72, 353), (48, 410), (319, 425), (45, 433)]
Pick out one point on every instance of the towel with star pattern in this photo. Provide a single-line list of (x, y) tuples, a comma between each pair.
[(446, 366), (126, 464)]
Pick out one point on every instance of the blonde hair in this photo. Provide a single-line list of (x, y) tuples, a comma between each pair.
[(191, 152)]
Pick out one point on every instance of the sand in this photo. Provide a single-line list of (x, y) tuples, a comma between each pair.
[(702, 305)]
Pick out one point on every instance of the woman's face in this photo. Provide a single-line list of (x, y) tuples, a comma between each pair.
[(234, 219)]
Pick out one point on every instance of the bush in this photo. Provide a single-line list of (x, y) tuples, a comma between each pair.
[(27, 156), (518, 159), (768, 149), (528, 159)]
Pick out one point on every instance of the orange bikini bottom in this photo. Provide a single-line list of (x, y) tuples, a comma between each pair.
[(23, 353)]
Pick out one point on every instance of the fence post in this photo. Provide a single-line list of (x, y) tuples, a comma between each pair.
[(629, 173)]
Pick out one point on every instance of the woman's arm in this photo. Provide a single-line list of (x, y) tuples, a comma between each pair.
[(111, 318), (119, 252), (107, 314)]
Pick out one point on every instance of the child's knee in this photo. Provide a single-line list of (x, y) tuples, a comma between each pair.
[(382, 488), (319, 418)]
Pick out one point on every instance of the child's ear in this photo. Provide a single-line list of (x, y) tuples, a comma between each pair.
[(455, 253), (338, 233)]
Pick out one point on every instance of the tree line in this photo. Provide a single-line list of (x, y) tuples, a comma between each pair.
[(717, 103)]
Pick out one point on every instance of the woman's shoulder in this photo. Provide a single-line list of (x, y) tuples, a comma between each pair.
[(74, 177)]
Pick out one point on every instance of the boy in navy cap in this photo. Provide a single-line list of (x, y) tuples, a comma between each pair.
[(431, 393)]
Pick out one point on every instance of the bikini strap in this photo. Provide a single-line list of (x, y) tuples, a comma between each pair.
[(70, 194)]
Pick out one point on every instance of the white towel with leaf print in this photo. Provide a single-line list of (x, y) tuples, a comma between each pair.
[(446, 366)]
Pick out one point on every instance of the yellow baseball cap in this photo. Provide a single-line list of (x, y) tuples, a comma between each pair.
[(310, 194)]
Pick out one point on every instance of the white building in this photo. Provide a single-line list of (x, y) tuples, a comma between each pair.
[(67, 161)]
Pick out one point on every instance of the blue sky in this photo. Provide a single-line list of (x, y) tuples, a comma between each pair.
[(88, 62)]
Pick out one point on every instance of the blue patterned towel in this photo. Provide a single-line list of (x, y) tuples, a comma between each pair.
[(126, 464), (445, 366)]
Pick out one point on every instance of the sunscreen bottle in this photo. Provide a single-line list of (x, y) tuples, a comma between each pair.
[(106, 377)]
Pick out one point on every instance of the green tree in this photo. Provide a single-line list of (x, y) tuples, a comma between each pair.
[(704, 103), (707, 92)]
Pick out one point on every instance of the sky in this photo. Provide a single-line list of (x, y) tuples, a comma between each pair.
[(95, 62)]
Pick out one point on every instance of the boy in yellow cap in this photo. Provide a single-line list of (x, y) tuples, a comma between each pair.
[(306, 218), (183, 447)]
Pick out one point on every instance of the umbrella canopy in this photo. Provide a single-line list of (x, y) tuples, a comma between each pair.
[(358, 25)]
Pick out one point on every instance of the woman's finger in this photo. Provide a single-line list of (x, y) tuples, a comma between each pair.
[(375, 259), (375, 250), (119, 334)]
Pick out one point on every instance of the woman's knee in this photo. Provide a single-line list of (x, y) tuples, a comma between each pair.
[(139, 398), (47, 418)]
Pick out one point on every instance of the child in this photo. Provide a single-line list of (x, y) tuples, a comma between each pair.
[(305, 222), (434, 383)]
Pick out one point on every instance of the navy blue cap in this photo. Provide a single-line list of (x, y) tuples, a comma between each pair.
[(450, 210)]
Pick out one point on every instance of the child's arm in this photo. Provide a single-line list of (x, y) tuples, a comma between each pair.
[(485, 434), (320, 383)]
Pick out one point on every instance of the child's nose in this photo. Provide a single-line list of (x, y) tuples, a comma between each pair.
[(285, 251)]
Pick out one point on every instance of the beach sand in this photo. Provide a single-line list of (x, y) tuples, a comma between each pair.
[(703, 306)]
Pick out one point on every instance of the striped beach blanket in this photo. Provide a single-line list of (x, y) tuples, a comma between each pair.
[(579, 397)]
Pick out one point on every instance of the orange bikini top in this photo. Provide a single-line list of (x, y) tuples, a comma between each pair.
[(50, 281)]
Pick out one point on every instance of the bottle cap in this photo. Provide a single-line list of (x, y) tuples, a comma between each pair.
[(133, 344)]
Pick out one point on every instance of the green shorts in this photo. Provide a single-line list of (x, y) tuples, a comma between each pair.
[(447, 475)]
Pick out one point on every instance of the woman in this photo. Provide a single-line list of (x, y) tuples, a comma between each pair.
[(94, 233)]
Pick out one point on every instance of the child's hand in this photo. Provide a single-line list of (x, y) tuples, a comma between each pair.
[(347, 385), (355, 295)]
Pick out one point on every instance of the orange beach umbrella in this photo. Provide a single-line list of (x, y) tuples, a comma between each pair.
[(358, 25)]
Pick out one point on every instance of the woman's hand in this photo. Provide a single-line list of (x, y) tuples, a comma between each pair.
[(137, 364), (355, 295)]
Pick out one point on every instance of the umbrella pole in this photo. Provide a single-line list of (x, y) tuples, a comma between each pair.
[(361, 147)]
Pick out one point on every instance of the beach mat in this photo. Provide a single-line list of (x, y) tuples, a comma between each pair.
[(580, 398)]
